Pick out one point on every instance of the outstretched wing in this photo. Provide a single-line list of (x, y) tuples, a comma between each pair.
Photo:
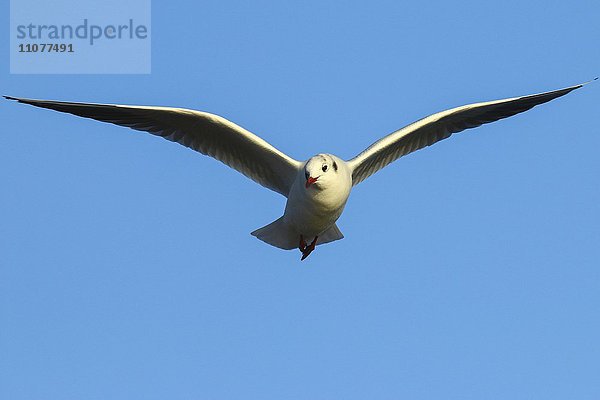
[(436, 127), (206, 133)]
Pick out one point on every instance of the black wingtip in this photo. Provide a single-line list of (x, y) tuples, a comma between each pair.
[(18, 99), (585, 83)]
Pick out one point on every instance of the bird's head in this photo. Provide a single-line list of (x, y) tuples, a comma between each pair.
[(319, 171)]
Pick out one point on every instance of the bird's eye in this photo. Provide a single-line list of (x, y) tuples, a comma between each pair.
[(324, 168)]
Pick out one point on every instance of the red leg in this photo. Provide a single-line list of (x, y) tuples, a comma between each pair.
[(309, 249), (302, 244)]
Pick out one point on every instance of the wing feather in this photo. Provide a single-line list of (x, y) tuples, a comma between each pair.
[(440, 126), (206, 133)]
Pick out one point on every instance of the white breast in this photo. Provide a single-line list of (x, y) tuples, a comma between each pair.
[(312, 211)]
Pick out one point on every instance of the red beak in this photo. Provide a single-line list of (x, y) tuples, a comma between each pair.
[(310, 181)]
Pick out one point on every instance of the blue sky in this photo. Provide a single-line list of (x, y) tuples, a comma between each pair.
[(469, 269)]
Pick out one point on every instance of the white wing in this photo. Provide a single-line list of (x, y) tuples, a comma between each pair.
[(436, 127), (206, 133)]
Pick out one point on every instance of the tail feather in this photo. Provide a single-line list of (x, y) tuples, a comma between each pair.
[(330, 235), (280, 234)]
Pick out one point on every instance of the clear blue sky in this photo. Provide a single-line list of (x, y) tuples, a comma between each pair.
[(469, 269)]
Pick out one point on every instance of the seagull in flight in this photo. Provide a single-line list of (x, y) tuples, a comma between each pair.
[(316, 189)]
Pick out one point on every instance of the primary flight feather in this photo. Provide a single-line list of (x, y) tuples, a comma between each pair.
[(317, 189)]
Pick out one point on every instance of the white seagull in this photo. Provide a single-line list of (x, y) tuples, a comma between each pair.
[(316, 189)]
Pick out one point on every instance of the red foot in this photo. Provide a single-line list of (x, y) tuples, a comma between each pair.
[(308, 249)]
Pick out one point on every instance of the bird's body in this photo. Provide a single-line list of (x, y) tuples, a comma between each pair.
[(317, 189), (312, 210)]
